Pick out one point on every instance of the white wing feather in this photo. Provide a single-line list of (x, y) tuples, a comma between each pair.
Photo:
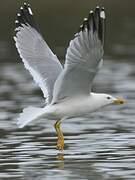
[(83, 59), (38, 58)]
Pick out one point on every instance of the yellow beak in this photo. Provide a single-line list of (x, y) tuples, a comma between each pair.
[(119, 101)]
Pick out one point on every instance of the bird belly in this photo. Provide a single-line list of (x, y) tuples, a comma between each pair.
[(73, 108)]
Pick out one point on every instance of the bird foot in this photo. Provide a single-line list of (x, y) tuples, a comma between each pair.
[(60, 144)]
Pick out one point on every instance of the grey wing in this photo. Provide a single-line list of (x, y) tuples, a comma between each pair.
[(37, 57), (83, 58)]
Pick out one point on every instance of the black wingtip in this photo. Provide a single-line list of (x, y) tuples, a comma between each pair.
[(85, 23), (95, 22), (27, 8), (17, 24), (102, 8), (91, 12), (102, 25), (25, 16), (25, 5), (80, 28), (102, 13), (97, 8)]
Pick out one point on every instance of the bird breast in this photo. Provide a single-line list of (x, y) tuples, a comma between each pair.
[(74, 107)]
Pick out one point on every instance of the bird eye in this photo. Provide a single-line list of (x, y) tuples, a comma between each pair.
[(108, 97)]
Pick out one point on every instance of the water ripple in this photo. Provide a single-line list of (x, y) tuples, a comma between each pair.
[(97, 147)]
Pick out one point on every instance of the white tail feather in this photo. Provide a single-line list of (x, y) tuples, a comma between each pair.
[(29, 114)]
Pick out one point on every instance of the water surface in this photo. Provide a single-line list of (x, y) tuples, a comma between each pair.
[(101, 146)]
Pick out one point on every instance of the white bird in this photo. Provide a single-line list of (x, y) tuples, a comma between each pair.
[(67, 89)]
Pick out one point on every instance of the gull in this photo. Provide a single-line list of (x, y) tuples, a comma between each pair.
[(66, 89)]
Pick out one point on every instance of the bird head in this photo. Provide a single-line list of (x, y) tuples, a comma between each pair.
[(108, 99)]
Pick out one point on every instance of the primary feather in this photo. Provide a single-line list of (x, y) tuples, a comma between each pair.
[(37, 57), (83, 59)]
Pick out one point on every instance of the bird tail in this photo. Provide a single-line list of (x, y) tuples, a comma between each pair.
[(29, 114)]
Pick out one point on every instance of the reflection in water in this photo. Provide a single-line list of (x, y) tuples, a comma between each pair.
[(60, 156), (97, 147)]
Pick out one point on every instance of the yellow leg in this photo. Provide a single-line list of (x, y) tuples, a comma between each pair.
[(60, 142)]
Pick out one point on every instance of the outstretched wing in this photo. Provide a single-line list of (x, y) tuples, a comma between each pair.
[(83, 58), (37, 57)]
